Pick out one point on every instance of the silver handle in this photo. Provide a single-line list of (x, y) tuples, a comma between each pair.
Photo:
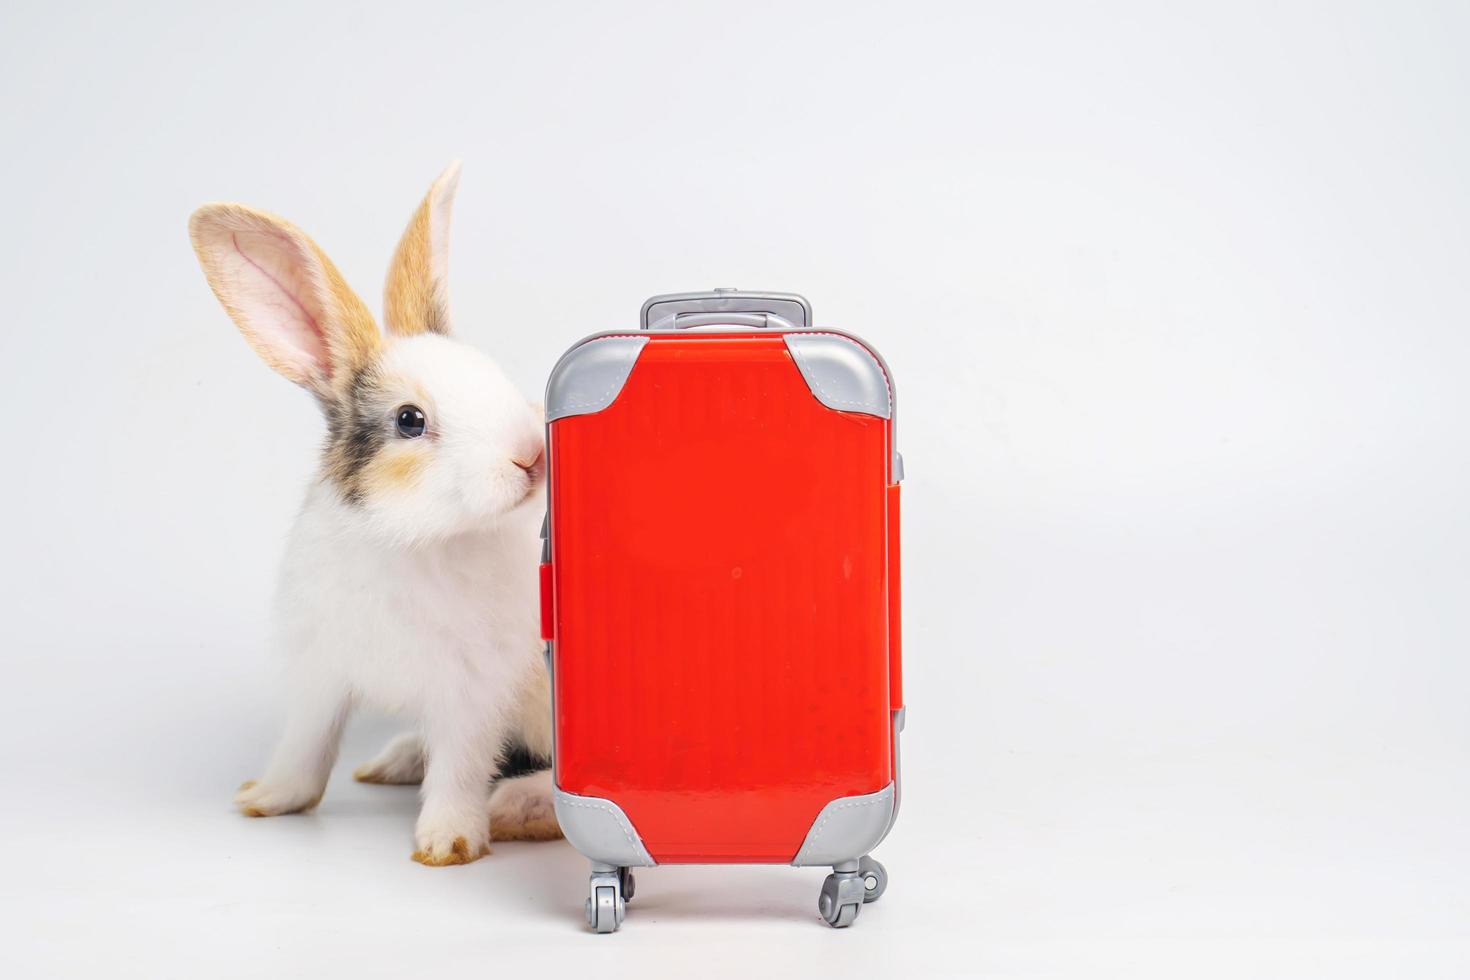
[(683, 321), (732, 306)]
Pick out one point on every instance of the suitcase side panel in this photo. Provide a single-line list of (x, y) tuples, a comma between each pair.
[(720, 565), (895, 606)]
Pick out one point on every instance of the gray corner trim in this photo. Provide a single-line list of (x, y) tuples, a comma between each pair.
[(847, 828), (842, 373), (868, 375), (899, 718), (600, 830), (589, 377)]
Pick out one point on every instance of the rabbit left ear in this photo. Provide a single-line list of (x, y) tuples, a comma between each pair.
[(416, 297), (286, 296)]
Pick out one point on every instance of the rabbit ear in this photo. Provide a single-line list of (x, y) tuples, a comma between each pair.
[(416, 297), (286, 297)]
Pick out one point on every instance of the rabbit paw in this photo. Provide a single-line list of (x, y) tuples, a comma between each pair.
[(521, 809), (401, 763), (256, 799), (439, 846)]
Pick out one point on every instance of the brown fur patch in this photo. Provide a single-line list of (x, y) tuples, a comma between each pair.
[(352, 335), (535, 829), (398, 469), (414, 300), (459, 853), (363, 453), (409, 303)]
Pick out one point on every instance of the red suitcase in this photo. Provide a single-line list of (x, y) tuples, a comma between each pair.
[(720, 596)]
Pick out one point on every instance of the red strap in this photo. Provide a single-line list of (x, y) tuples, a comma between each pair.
[(895, 604), (548, 629)]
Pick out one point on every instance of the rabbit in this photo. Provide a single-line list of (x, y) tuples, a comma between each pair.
[(409, 582)]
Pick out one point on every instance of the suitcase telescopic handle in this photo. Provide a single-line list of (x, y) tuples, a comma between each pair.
[(683, 321), (726, 307)]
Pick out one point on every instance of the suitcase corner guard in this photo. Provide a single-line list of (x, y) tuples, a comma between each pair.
[(591, 375), (847, 828), (841, 372), (845, 374), (600, 830)]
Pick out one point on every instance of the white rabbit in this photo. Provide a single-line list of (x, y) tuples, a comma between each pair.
[(409, 583)]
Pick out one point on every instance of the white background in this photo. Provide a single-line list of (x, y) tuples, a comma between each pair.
[(1178, 306)]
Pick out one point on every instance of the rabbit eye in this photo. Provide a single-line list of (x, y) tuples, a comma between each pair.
[(411, 421)]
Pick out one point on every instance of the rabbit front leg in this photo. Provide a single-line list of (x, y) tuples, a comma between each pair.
[(297, 775), (461, 742)]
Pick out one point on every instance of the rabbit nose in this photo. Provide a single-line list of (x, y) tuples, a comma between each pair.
[(530, 461)]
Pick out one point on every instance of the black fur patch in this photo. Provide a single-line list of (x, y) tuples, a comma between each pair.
[(355, 433), (518, 760)]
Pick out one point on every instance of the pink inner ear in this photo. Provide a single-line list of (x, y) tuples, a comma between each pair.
[(277, 296)]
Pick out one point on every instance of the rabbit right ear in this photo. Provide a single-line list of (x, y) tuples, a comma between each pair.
[(416, 298), (286, 297)]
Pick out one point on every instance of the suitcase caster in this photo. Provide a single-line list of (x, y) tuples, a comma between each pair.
[(607, 899), (875, 878), (842, 898), (630, 884)]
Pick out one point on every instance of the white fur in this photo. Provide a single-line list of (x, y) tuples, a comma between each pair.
[(400, 763), (524, 800), (444, 632), (419, 598), (479, 427)]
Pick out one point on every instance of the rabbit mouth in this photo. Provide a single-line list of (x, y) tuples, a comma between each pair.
[(535, 477), (535, 471)]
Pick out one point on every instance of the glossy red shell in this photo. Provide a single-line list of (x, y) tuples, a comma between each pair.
[(724, 600)]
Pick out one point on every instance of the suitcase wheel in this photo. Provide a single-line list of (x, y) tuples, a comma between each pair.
[(609, 891), (629, 883), (842, 898), (875, 878)]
